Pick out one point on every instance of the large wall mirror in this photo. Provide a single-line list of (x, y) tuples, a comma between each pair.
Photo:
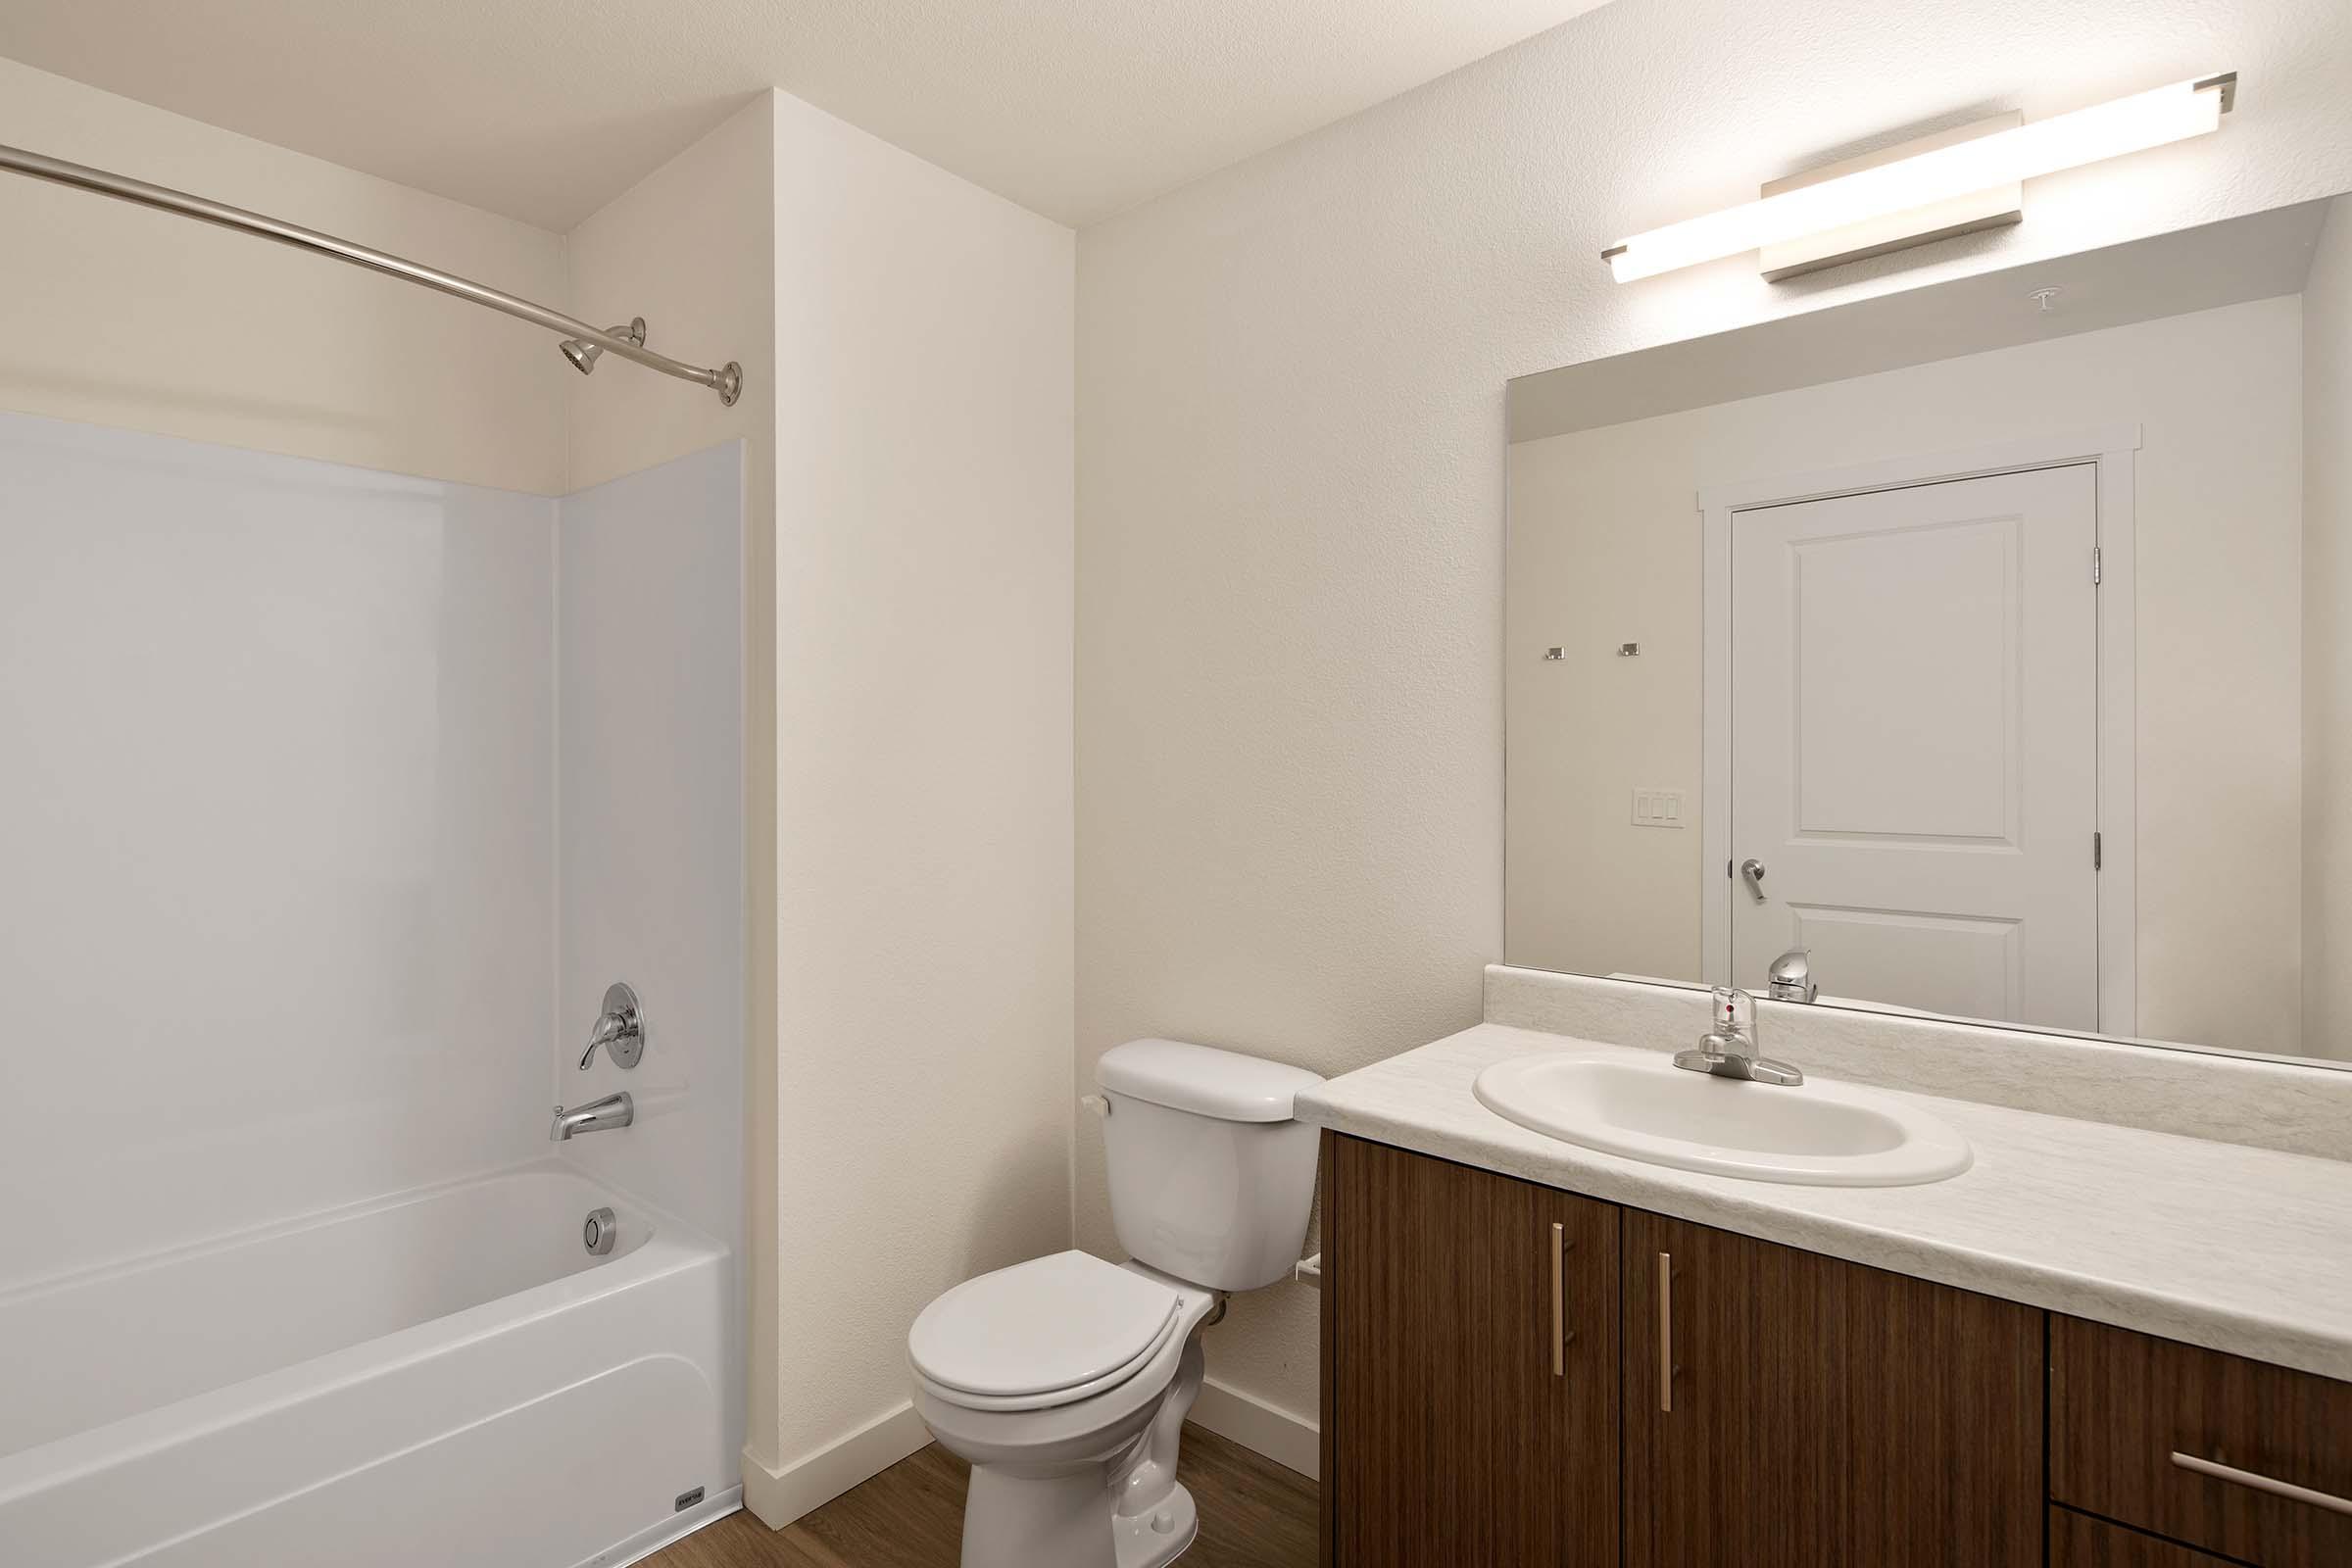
[(1988, 645)]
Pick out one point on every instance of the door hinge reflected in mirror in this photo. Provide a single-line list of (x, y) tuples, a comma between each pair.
[(2095, 566), (2097, 858)]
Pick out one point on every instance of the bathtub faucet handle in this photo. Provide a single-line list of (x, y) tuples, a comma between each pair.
[(620, 1031)]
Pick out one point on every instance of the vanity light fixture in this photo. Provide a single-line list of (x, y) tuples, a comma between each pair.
[(1942, 171)]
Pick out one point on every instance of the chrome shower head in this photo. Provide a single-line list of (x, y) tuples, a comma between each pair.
[(583, 355)]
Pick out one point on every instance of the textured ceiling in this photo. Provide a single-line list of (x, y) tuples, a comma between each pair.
[(545, 110)]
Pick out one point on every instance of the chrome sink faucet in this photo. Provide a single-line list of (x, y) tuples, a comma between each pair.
[(1791, 976), (1730, 1049), (596, 1116)]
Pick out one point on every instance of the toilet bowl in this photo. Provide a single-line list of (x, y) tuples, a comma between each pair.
[(1073, 1454), (1064, 1381)]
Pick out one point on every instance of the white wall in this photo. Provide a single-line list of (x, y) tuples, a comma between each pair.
[(649, 863), (906, 347), (2327, 636), (1595, 560), (123, 316), (277, 829), (691, 249), (1604, 548), (1290, 466), (922, 749), (906, 424)]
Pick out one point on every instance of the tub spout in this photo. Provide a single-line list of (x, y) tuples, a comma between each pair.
[(614, 1110)]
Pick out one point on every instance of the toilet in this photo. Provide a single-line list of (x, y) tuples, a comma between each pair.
[(1064, 1381)]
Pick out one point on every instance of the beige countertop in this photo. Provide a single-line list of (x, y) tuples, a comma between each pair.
[(2237, 1248)]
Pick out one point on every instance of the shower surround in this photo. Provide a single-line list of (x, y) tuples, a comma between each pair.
[(325, 786)]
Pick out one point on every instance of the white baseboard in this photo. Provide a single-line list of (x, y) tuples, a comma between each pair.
[(779, 1496), (1291, 1440)]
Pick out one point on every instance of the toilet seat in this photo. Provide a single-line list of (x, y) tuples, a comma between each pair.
[(1046, 1332)]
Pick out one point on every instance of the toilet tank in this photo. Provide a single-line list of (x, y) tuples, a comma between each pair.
[(1211, 1180)]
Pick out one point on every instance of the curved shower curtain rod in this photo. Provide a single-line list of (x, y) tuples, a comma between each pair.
[(726, 380)]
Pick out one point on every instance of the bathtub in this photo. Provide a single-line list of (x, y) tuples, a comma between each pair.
[(446, 1377)]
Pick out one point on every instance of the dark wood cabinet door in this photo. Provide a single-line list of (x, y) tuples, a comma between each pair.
[(1784, 1409), (1466, 1418)]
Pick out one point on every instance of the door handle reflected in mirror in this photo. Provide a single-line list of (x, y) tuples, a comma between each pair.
[(1752, 869)]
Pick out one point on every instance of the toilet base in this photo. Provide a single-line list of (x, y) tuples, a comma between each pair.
[(1088, 1485), (1066, 1522), (1148, 1540)]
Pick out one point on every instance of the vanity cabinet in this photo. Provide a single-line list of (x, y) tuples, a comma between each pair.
[(1469, 1366), (1695, 1399), (1786, 1408), (1517, 1375)]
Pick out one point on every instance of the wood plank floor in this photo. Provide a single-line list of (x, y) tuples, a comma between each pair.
[(1253, 1514)]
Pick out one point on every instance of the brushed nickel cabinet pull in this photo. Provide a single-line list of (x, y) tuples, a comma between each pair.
[(1666, 1332), (2260, 1482), (1559, 1303), (1559, 1306)]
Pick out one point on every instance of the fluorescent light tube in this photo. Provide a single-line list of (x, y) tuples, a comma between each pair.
[(2066, 141)]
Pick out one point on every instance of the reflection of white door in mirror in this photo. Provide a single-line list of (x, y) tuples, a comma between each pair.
[(1915, 747), (2194, 387)]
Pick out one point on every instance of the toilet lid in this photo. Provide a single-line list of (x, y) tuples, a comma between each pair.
[(1056, 1323)]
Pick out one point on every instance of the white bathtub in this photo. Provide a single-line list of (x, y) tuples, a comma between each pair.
[(444, 1378)]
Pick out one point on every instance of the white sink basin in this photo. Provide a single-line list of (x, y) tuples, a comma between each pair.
[(1822, 1134)]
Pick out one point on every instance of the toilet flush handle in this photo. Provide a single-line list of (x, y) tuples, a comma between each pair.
[(1099, 1105)]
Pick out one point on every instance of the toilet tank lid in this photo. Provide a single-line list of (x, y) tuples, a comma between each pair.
[(1203, 1080)]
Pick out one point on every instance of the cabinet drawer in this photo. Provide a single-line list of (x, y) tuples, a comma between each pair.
[(2078, 1541), (2131, 1418)]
